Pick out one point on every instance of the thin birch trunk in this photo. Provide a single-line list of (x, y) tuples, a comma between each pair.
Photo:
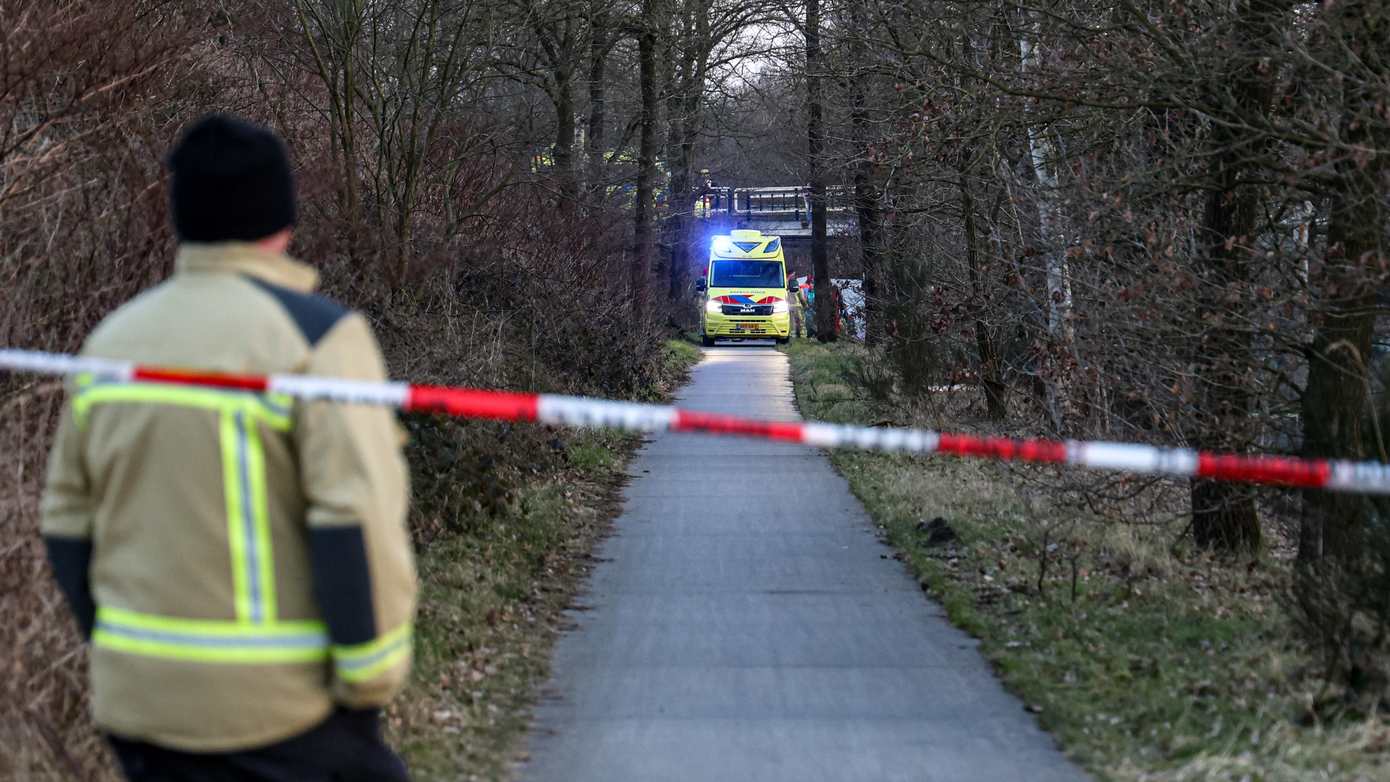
[(1044, 155)]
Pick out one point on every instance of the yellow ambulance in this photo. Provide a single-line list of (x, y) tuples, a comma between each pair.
[(745, 289)]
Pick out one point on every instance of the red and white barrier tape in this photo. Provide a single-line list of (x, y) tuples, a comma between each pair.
[(1345, 476)]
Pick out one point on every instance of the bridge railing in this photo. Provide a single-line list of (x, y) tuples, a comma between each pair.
[(769, 202)]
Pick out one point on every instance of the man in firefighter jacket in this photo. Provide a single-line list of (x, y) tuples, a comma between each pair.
[(796, 305), (239, 561)]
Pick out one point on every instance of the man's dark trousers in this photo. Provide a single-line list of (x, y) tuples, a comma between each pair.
[(347, 747)]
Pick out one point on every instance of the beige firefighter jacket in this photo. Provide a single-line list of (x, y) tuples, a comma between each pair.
[(244, 557)]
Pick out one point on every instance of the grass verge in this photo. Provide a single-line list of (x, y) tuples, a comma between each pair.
[(492, 600), (1146, 661), (489, 607), (504, 518)]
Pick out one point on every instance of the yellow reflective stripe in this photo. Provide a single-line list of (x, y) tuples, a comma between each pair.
[(210, 627), (249, 537), (103, 639), (284, 402), (272, 409), (236, 535), (243, 473), (213, 641), (263, 564), (248, 519), (364, 661)]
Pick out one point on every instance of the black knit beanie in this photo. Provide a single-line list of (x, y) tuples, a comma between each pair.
[(231, 182)]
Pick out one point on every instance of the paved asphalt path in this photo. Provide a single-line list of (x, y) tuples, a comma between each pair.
[(742, 625)]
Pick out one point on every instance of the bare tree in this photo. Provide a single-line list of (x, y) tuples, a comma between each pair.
[(643, 246), (701, 39), (1045, 156), (393, 70), (1224, 515), (1356, 44), (867, 203), (603, 36), (550, 55), (815, 147)]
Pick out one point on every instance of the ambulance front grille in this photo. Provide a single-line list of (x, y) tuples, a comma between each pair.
[(739, 309)]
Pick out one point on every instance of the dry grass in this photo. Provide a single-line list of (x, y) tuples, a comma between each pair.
[(519, 294), (495, 578), (490, 610), (44, 730), (1147, 660)]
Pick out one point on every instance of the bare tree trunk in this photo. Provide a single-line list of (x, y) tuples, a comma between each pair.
[(1335, 402), (680, 205), (867, 206), (678, 165), (682, 191), (824, 305), (564, 136), (351, 187), (646, 163), (405, 213), (598, 66), (335, 60), (1059, 300), (1044, 155), (683, 229), (1224, 515), (996, 393), (869, 215)]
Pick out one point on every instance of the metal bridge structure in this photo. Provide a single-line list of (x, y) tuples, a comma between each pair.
[(779, 211)]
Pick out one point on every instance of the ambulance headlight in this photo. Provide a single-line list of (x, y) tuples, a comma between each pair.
[(713, 307), (779, 306)]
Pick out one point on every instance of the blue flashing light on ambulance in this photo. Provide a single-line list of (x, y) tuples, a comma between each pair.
[(745, 289)]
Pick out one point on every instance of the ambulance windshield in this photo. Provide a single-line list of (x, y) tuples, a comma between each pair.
[(746, 274)]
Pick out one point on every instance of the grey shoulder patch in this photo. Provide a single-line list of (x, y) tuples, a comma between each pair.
[(314, 315)]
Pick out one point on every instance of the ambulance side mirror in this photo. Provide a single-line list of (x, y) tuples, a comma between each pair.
[(700, 285)]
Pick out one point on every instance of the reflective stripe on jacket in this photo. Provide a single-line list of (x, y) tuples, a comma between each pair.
[(244, 556)]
